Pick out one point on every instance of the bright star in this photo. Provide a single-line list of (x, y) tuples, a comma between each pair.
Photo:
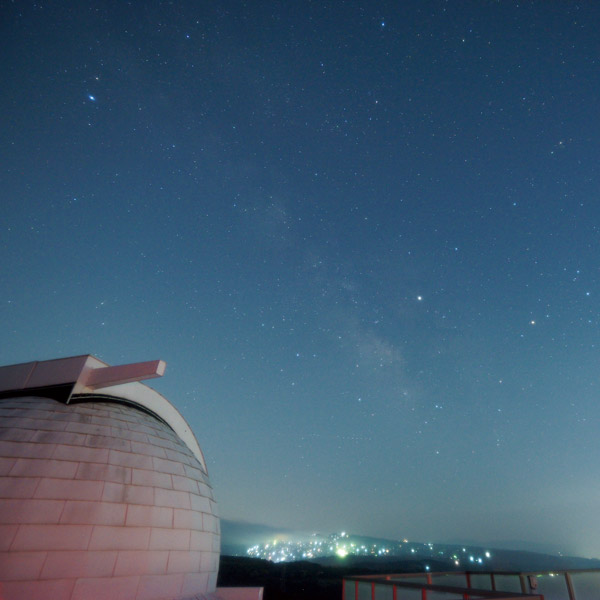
[(92, 98)]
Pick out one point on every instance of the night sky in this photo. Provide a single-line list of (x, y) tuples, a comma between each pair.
[(364, 236)]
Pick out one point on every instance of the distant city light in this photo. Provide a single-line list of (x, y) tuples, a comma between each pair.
[(344, 544)]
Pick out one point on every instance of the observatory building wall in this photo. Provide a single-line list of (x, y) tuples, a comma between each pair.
[(101, 499)]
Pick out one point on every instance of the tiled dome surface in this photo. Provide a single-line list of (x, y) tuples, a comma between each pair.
[(101, 500)]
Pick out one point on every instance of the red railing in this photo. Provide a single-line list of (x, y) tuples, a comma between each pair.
[(577, 584), (453, 592)]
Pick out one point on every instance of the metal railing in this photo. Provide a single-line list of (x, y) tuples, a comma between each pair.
[(583, 584)]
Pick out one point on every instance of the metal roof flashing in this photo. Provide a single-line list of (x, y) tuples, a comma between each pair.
[(66, 378)]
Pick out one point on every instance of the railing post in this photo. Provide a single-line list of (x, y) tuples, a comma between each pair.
[(493, 581), (356, 590), (468, 576), (372, 591), (570, 587), (423, 594), (395, 592), (523, 581)]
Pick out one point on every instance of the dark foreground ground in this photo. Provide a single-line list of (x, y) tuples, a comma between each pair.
[(309, 580), (293, 581)]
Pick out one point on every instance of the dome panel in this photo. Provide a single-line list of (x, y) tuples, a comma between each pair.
[(99, 495)]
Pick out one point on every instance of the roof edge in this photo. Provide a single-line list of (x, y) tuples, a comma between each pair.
[(86, 374)]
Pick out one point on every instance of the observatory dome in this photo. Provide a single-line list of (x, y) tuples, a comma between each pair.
[(103, 489)]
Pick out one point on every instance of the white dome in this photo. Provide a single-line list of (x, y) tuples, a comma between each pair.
[(100, 498)]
